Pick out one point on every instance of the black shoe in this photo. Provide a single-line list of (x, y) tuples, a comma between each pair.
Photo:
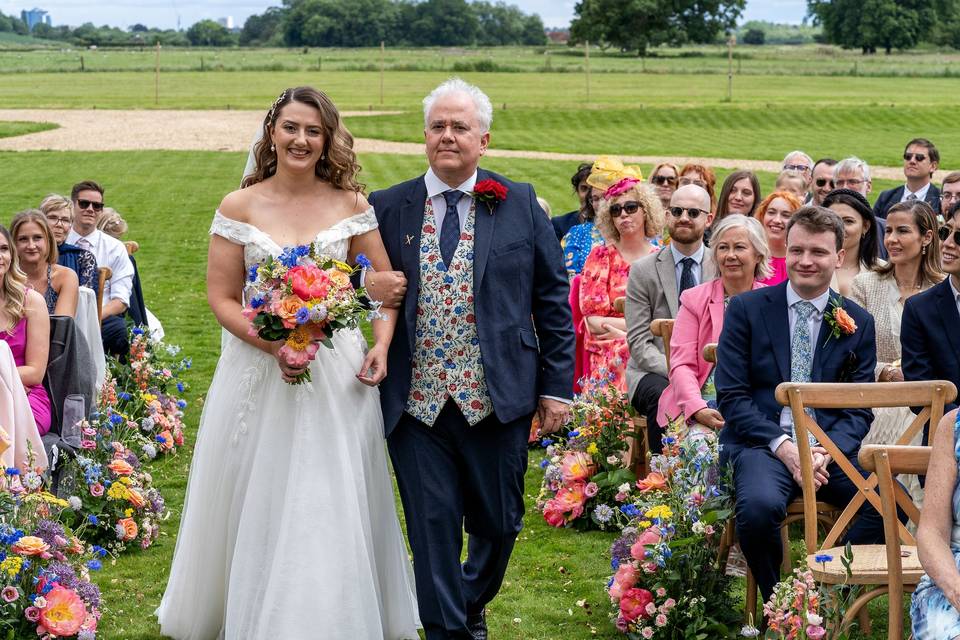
[(477, 625)]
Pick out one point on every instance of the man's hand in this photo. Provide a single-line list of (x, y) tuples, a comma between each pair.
[(386, 287), (552, 414), (709, 418), (789, 455)]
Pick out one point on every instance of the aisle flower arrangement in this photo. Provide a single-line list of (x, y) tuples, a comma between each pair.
[(668, 582), (586, 476)]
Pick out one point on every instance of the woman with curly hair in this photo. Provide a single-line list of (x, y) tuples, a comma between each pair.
[(630, 217)]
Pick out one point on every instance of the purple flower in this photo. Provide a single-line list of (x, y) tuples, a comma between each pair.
[(48, 530), (89, 593)]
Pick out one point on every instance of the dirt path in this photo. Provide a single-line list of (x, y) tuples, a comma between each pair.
[(108, 130)]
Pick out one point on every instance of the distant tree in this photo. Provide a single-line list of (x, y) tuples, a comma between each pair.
[(42, 30), (262, 29), (5, 23), (331, 23), (534, 32), (138, 28), (875, 24), (635, 25), (443, 23), (208, 33), (19, 26), (754, 36)]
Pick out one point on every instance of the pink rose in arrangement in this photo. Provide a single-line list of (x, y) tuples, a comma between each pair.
[(648, 538), (32, 614), (634, 603), (661, 592), (647, 632), (623, 580), (815, 632), (64, 613), (591, 489), (309, 282), (576, 466), (9, 594), (660, 620), (96, 489)]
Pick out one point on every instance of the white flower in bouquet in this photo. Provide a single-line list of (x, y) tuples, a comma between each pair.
[(75, 503), (624, 488)]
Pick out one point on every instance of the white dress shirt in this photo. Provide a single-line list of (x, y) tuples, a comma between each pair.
[(112, 253), (435, 189), (696, 267), (956, 294), (920, 193), (816, 319)]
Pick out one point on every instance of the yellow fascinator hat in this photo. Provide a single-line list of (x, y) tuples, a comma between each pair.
[(609, 170)]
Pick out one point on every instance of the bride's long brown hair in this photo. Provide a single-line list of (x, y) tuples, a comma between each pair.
[(338, 163)]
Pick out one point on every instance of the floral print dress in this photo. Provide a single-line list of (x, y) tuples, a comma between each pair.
[(577, 245), (604, 279), (932, 615)]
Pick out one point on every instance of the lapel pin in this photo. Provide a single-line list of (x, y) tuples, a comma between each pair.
[(409, 240)]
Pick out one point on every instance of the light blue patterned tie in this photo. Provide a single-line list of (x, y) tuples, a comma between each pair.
[(801, 351)]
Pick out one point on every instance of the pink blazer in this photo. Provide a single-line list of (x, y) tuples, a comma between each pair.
[(699, 322)]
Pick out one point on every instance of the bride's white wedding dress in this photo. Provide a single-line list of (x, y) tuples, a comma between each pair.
[(290, 528)]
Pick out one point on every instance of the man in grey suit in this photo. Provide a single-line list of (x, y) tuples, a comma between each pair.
[(653, 291)]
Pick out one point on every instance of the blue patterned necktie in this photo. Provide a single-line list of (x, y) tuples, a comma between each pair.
[(450, 231), (686, 275), (801, 351)]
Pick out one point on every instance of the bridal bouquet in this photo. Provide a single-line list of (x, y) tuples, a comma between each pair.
[(302, 297)]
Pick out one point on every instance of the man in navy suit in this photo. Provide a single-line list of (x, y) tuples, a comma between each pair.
[(928, 332), (920, 161), (485, 341), (783, 334)]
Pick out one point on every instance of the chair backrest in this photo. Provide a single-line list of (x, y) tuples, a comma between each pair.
[(132, 247), (663, 328), (710, 352), (70, 369), (103, 274), (930, 395)]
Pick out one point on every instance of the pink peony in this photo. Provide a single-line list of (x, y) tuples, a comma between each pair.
[(634, 603), (571, 498), (64, 613), (299, 358), (623, 580), (591, 489), (576, 466), (552, 514), (648, 538), (308, 282)]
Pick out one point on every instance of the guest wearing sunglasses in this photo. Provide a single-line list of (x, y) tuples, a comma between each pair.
[(87, 200), (629, 216), (59, 212), (774, 213), (702, 176), (928, 332), (653, 292), (664, 179), (920, 161), (822, 181)]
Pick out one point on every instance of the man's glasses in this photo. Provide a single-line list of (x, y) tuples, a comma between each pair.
[(949, 196), (627, 208), (849, 182), (90, 204), (796, 167), (662, 180), (57, 221), (822, 182), (693, 212), (920, 157), (946, 232)]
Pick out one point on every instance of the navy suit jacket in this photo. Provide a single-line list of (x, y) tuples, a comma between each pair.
[(753, 357), (928, 337), (520, 298), (563, 224), (891, 197)]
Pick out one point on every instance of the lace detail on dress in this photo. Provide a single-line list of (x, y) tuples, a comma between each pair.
[(232, 230), (248, 383)]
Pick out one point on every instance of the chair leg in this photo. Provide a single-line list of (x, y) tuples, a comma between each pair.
[(786, 566), (863, 617), (750, 608)]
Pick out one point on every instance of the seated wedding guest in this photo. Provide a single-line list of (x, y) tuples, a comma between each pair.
[(703, 177), (822, 183), (774, 214), (87, 200), (801, 163), (545, 206), (112, 223), (582, 238), (664, 179), (38, 260), (792, 181), (778, 334), (914, 266), (929, 339), (59, 212), (935, 604), (740, 252), (740, 194), (628, 216), (860, 242), (25, 327), (949, 191), (585, 195), (920, 162), (653, 291)]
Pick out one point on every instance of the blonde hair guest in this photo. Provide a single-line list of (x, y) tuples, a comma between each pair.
[(37, 249), (112, 223)]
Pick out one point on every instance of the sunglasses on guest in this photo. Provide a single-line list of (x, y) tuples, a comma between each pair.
[(822, 182), (920, 157), (693, 212), (90, 204), (946, 232), (662, 180), (627, 208)]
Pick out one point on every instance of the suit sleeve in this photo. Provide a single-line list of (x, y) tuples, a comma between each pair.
[(552, 316), (685, 350), (732, 379), (916, 358), (853, 424), (638, 312)]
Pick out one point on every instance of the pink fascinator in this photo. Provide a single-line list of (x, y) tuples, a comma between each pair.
[(621, 186)]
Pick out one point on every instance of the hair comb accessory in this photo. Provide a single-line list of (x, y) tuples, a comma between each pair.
[(273, 108)]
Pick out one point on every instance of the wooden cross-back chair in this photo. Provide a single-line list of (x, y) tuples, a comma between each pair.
[(869, 563), (103, 274), (663, 329)]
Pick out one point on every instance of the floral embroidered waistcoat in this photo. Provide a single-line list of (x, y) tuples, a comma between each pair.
[(447, 360)]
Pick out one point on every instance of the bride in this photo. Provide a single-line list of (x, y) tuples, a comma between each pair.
[(290, 527)]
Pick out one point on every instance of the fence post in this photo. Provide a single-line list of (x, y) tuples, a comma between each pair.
[(82, 68), (586, 59), (730, 43), (381, 72), (156, 79)]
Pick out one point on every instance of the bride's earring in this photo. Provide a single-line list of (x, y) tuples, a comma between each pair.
[(273, 148), (924, 252)]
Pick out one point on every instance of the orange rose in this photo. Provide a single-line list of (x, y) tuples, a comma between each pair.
[(120, 467), (339, 278), (653, 482), (287, 310), (136, 498), (129, 528), (844, 321), (30, 546), (167, 443)]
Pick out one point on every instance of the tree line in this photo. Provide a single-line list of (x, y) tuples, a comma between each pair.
[(872, 25)]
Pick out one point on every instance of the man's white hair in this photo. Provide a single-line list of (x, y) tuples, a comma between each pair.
[(456, 85), (851, 164), (803, 155)]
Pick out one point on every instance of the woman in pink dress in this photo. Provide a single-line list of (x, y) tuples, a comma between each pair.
[(774, 213), (630, 216), (25, 327)]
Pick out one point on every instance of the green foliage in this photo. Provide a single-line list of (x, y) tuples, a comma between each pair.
[(10, 129), (636, 25), (208, 33), (773, 33), (754, 36), (869, 25), (263, 30)]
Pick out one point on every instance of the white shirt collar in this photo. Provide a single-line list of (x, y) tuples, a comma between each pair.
[(93, 237), (956, 294), (436, 186), (921, 193), (820, 302), (696, 255)]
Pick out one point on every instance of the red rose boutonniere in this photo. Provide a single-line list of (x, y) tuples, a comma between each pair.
[(489, 192), (840, 322)]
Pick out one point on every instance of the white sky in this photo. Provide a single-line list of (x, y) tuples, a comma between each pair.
[(164, 13)]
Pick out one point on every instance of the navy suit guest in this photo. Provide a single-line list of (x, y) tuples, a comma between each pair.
[(781, 334), (586, 195), (484, 341), (920, 161), (928, 333)]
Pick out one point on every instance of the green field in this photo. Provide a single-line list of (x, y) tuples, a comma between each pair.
[(9, 129)]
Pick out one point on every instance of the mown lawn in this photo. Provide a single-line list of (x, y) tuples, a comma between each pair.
[(168, 200), (10, 129)]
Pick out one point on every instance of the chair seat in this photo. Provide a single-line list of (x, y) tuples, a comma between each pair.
[(869, 565), (795, 508)]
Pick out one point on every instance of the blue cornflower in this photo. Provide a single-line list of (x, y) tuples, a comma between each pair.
[(94, 565), (546, 442), (123, 395), (137, 331), (92, 519), (12, 471), (574, 433), (363, 261), (180, 387), (629, 510), (544, 464), (252, 272), (303, 315), (289, 257), (116, 418), (256, 302), (161, 439), (615, 563), (100, 551), (823, 557), (181, 404), (302, 250)]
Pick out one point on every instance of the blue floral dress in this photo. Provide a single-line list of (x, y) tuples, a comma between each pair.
[(577, 245), (932, 615)]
